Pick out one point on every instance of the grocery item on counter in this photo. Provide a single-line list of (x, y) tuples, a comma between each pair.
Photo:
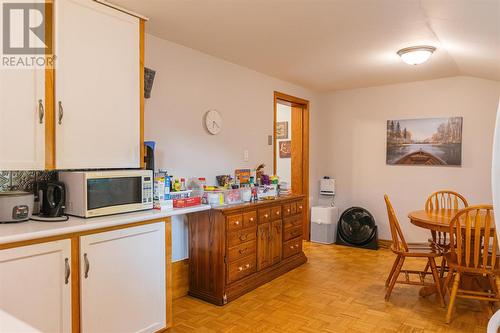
[(246, 194)]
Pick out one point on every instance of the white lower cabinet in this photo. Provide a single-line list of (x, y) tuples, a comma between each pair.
[(35, 288), (122, 280)]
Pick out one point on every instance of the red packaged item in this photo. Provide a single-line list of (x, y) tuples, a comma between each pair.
[(187, 202)]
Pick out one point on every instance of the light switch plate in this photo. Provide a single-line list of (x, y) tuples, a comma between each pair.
[(270, 140), (245, 155)]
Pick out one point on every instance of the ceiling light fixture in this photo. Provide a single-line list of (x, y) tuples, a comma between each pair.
[(416, 55)]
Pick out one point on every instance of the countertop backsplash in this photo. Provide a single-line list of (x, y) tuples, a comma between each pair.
[(23, 180)]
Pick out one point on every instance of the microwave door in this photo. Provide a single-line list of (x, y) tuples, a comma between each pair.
[(111, 192)]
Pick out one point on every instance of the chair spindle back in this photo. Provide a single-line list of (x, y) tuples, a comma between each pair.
[(445, 199), (398, 240), (473, 238)]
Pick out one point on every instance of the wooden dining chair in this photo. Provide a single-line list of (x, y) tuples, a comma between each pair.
[(403, 250), (473, 251), (444, 199), (437, 201)]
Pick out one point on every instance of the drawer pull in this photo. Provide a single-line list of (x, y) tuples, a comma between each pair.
[(242, 268), (300, 207), (237, 222), (266, 216), (288, 210), (241, 251), (277, 213), (251, 219), (243, 237)]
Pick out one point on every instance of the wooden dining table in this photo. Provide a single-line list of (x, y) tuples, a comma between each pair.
[(439, 221)]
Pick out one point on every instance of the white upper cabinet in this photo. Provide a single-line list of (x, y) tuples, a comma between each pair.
[(22, 119), (35, 288), (97, 97), (122, 280)]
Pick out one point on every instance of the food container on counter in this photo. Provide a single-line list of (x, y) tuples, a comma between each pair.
[(233, 196), (246, 194)]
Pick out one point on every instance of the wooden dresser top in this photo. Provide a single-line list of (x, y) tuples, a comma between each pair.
[(259, 204)]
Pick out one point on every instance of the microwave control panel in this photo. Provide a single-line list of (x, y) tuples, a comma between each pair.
[(147, 190)]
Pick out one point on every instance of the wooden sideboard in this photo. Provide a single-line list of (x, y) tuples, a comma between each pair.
[(235, 249)]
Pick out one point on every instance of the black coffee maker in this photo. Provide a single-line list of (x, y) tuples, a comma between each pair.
[(52, 198)]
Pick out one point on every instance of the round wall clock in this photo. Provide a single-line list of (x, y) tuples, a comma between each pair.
[(213, 122)]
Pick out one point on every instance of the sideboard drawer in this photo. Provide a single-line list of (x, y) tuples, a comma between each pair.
[(241, 268), (234, 222), (292, 247), (276, 213), (264, 215), (250, 219), (287, 210), (293, 221), (292, 232), (300, 207), (240, 251), (241, 236)]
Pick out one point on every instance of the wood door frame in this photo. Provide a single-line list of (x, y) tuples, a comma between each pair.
[(304, 104)]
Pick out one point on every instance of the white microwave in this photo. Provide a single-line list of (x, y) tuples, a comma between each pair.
[(98, 193)]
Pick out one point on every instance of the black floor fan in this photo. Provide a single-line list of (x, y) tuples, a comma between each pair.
[(357, 228)]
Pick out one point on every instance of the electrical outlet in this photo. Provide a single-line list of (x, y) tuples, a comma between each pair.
[(245, 155)]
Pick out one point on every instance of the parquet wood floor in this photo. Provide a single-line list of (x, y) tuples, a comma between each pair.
[(339, 289)]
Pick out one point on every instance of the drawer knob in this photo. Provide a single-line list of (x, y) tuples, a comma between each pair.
[(251, 219), (243, 237), (237, 222), (240, 268), (241, 251), (277, 213), (291, 247), (288, 210), (266, 216), (247, 265), (300, 207)]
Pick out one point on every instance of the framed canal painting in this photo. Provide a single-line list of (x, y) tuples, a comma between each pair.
[(427, 141)]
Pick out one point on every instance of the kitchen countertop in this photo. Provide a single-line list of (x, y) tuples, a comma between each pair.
[(22, 231)]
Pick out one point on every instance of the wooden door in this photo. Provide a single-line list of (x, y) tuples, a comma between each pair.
[(123, 280), (22, 119), (35, 288), (299, 156), (97, 97), (276, 241), (263, 246)]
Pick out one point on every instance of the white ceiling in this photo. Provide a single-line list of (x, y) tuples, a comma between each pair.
[(335, 44)]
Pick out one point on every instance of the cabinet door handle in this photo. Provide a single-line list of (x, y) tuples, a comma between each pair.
[(67, 271), (87, 265), (61, 112), (41, 111)]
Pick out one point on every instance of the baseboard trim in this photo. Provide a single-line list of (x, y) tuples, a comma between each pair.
[(384, 243)]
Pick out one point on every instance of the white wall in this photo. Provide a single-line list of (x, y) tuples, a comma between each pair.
[(354, 128), (284, 165), (187, 84)]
